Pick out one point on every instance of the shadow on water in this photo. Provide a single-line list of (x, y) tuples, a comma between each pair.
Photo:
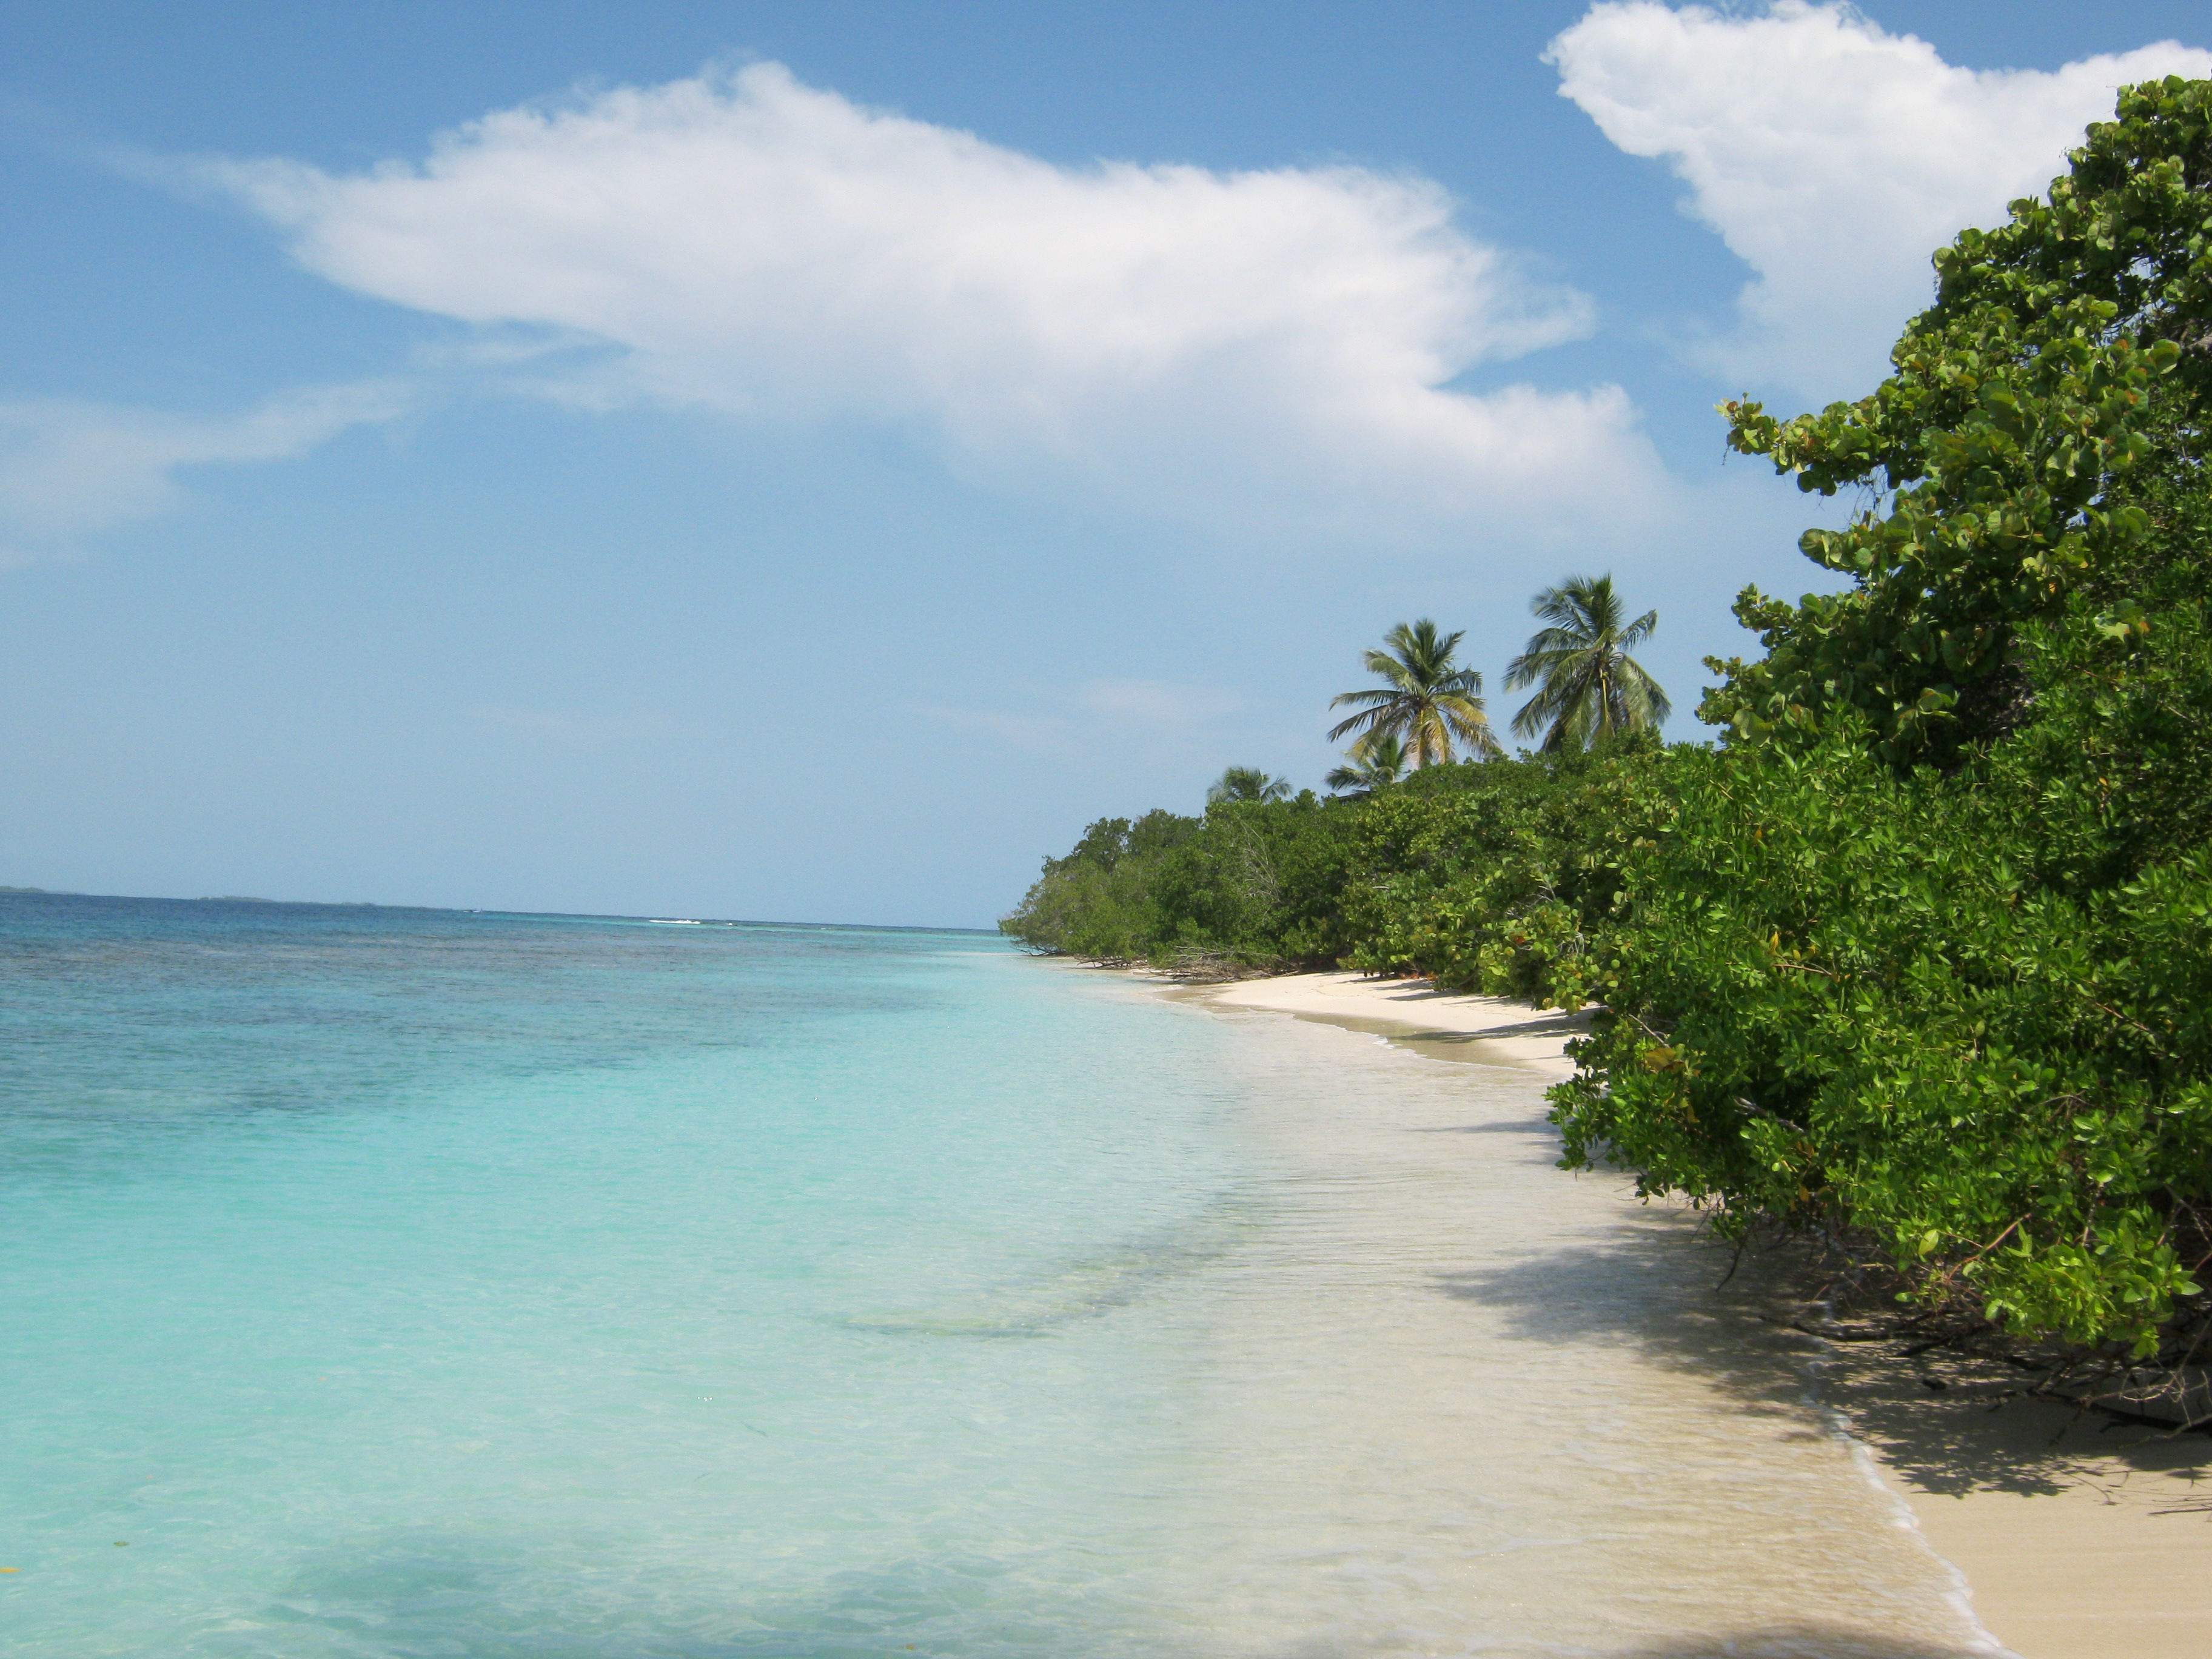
[(472, 1598), (469, 1599)]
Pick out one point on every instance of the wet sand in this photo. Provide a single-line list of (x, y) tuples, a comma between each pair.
[(2081, 1537), (2078, 1538)]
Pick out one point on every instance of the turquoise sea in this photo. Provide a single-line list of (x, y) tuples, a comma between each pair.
[(381, 1282), (403, 1281)]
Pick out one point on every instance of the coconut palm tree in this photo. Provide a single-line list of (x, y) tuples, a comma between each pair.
[(1385, 763), (1425, 701), (1248, 783), (1587, 685)]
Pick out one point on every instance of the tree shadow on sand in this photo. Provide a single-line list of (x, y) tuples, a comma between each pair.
[(1562, 1026), (1950, 1422), (1532, 1126), (1792, 1642)]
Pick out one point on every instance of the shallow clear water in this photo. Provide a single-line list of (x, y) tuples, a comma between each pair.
[(384, 1283)]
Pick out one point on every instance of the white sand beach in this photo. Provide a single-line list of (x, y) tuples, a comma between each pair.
[(1485, 1028), (2077, 1537)]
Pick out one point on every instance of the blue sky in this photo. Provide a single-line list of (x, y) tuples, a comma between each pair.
[(805, 461)]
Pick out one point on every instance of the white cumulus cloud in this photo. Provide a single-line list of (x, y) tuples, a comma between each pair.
[(1833, 157), (1181, 339), (72, 470)]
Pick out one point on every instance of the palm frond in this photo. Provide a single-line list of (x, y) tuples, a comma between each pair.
[(1644, 690), (1372, 695), (1426, 700), (1248, 783), (1587, 685), (1365, 720)]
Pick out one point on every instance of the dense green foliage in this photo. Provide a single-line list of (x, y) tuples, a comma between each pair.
[(1925, 953), (1921, 956), (1844, 999), (2022, 398), (1481, 874), (1256, 883)]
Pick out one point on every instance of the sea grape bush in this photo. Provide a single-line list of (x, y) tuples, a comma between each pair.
[(1493, 877), (1839, 999), (1921, 954), (1924, 952), (2021, 401)]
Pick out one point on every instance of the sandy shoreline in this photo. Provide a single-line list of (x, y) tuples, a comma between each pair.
[(2080, 1538), (1483, 1029)]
